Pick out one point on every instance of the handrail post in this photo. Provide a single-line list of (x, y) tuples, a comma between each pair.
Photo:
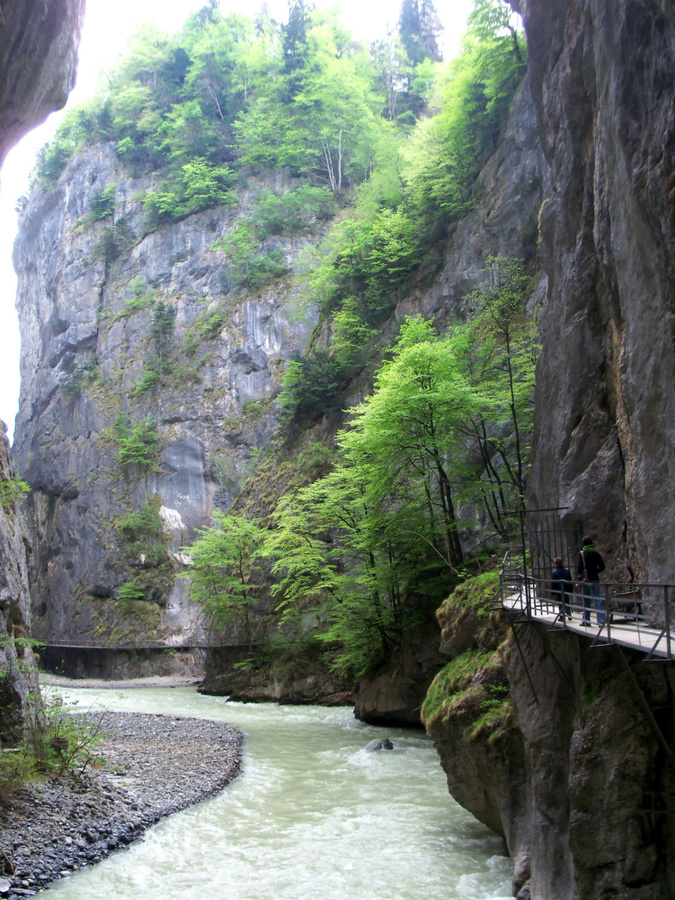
[(607, 615), (666, 605), (523, 548)]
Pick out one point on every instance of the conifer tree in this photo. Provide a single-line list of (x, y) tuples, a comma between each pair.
[(294, 44), (419, 28)]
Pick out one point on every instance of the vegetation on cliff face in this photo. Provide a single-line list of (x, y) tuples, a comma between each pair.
[(395, 140), (472, 689)]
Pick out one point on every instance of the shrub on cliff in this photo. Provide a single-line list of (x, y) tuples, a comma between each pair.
[(138, 445), (12, 492)]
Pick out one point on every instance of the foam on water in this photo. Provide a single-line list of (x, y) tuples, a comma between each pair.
[(314, 815)]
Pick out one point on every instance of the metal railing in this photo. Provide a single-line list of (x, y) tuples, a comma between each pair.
[(185, 643), (614, 608)]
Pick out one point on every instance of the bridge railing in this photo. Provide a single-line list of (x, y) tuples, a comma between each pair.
[(610, 607)]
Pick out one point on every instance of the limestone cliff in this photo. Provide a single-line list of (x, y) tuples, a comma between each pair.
[(602, 80), (87, 334), (577, 773)]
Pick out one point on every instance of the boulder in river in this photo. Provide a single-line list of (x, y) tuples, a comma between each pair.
[(384, 744)]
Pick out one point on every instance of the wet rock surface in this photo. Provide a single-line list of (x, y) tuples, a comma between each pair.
[(38, 54), (17, 662), (151, 766), (602, 77)]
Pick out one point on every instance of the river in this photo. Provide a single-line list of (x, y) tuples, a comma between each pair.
[(314, 816)]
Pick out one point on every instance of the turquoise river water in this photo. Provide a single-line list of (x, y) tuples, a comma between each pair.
[(312, 817)]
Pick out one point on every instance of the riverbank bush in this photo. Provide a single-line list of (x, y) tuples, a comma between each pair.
[(55, 742)]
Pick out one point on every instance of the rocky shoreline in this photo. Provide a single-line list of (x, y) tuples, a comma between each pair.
[(150, 766)]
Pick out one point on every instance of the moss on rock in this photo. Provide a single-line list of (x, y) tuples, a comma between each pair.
[(472, 688)]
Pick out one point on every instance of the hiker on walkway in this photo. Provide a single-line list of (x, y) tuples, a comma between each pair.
[(589, 566), (561, 587)]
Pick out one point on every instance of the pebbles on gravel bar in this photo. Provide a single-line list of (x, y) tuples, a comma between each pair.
[(152, 766)]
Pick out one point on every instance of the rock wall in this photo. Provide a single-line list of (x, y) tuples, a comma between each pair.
[(596, 819), (86, 332), (38, 57), (38, 46), (579, 779), (283, 677), (395, 695), (18, 673), (602, 80)]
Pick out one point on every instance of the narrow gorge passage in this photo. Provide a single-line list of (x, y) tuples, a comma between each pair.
[(313, 815)]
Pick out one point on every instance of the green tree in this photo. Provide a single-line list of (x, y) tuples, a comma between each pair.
[(102, 204), (494, 18), (337, 566), (499, 350), (12, 492), (419, 29), (138, 445), (370, 539), (320, 117), (225, 565), (311, 386), (219, 74), (294, 43), (473, 97), (251, 263), (409, 427)]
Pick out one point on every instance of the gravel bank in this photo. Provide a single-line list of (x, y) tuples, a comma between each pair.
[(152, 766)]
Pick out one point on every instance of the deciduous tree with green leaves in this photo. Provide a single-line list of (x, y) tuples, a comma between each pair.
[(499, 350), (225, 565)]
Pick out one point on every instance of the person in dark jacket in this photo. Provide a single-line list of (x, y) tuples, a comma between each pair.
[(561, 587), (589, 566)]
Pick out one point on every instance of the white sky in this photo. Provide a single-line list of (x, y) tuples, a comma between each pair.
[(107, 28)]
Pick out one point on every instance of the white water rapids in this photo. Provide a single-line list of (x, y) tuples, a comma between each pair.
[(314, 816)]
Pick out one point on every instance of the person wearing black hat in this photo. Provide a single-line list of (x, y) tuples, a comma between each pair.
[(589, 566)]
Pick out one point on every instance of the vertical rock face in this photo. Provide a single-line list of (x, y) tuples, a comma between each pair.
[(602, 79), (38, 55), (88, 349), (594, 816), (38, 45), (18, 675), (551, 743)]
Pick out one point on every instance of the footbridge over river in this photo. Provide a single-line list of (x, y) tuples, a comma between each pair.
[(106, 658)]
